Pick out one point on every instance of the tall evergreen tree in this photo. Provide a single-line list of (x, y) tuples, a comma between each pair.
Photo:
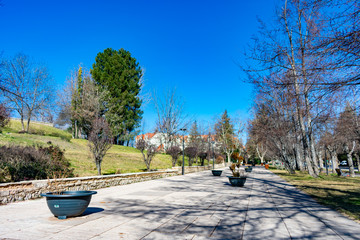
[(118, 76), (224, 130), (195, 137)]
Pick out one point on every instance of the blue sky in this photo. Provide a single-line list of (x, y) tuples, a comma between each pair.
[(191, 45)]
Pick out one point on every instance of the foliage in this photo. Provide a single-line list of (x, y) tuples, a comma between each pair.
[(225, 134), (27, 163), (118, 75), (100, 141), (148, 151), (174, 152), (236, 170), (219, 159), (235, 157), (4, 116), (202, 156), (191, 153), (195, 137), (85, 103)]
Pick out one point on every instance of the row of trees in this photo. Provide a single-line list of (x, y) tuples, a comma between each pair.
[(305, 69), (171, 119)]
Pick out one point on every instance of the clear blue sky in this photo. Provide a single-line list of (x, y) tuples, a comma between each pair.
[(188, 44)]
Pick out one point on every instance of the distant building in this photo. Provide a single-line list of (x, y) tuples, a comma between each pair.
[(158, 139)]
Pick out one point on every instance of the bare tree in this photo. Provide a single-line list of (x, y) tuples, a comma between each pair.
[(170, 117), (286, 60), (148, 151), (346, 135), (79, 103), (100, 141), (29, 87)]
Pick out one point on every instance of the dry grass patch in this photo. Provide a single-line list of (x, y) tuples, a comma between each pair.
[(340, 193)]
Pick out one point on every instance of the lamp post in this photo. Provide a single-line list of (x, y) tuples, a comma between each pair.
[(183, 163), (212, 142)]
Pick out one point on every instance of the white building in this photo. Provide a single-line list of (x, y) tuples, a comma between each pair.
[(158, 139)]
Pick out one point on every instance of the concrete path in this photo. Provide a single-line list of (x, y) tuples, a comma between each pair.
[(194, 206)]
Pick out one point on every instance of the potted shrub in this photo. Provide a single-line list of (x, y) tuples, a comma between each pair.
[(68, 203), (216, 172), (266, 166), (238, 178)]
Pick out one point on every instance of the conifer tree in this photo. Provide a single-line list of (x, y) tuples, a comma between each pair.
[(118, 75), (224, 130)]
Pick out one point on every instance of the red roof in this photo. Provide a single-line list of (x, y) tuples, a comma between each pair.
[(147, 135)]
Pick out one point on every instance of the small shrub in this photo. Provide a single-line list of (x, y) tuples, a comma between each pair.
[(219, 160), (202, 156), (191, 152), (174, 152), (29, 163), (179, 162)]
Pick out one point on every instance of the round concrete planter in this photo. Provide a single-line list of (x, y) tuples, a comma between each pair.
[(248, 169), (216, 172), (237, 181), (68, 203)]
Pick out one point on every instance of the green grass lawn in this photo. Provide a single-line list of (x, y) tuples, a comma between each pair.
[(119, 159), (340, 193)]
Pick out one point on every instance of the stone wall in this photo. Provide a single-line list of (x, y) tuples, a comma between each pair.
[(19, 191)]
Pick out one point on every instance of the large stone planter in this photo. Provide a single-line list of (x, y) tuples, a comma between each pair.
[(216, 172), (248, 169), (68, 203), (237, 181)]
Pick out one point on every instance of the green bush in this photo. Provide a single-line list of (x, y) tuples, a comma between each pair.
[(20, 163)]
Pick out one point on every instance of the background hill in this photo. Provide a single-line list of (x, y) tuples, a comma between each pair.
[(119, 159)]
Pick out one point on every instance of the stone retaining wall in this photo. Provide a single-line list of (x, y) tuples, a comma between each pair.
[(19, 191)]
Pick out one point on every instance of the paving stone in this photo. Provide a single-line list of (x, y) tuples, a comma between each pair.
[(194, 206)]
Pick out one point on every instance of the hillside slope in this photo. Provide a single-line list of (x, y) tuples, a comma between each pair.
[(119, 159)]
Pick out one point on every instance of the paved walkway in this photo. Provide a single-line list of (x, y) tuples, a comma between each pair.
[(194, 206)]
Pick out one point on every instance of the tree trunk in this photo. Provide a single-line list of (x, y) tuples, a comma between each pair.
[(22, 123), (299, 156), (321, 162), (228, 158), (147, 163), (298, 93), (349, 158), (28, 125), (357, 160), (98, 166), (334, 159), (285, 157)]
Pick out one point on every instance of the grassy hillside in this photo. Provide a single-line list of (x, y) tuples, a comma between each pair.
[(119, 159)]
